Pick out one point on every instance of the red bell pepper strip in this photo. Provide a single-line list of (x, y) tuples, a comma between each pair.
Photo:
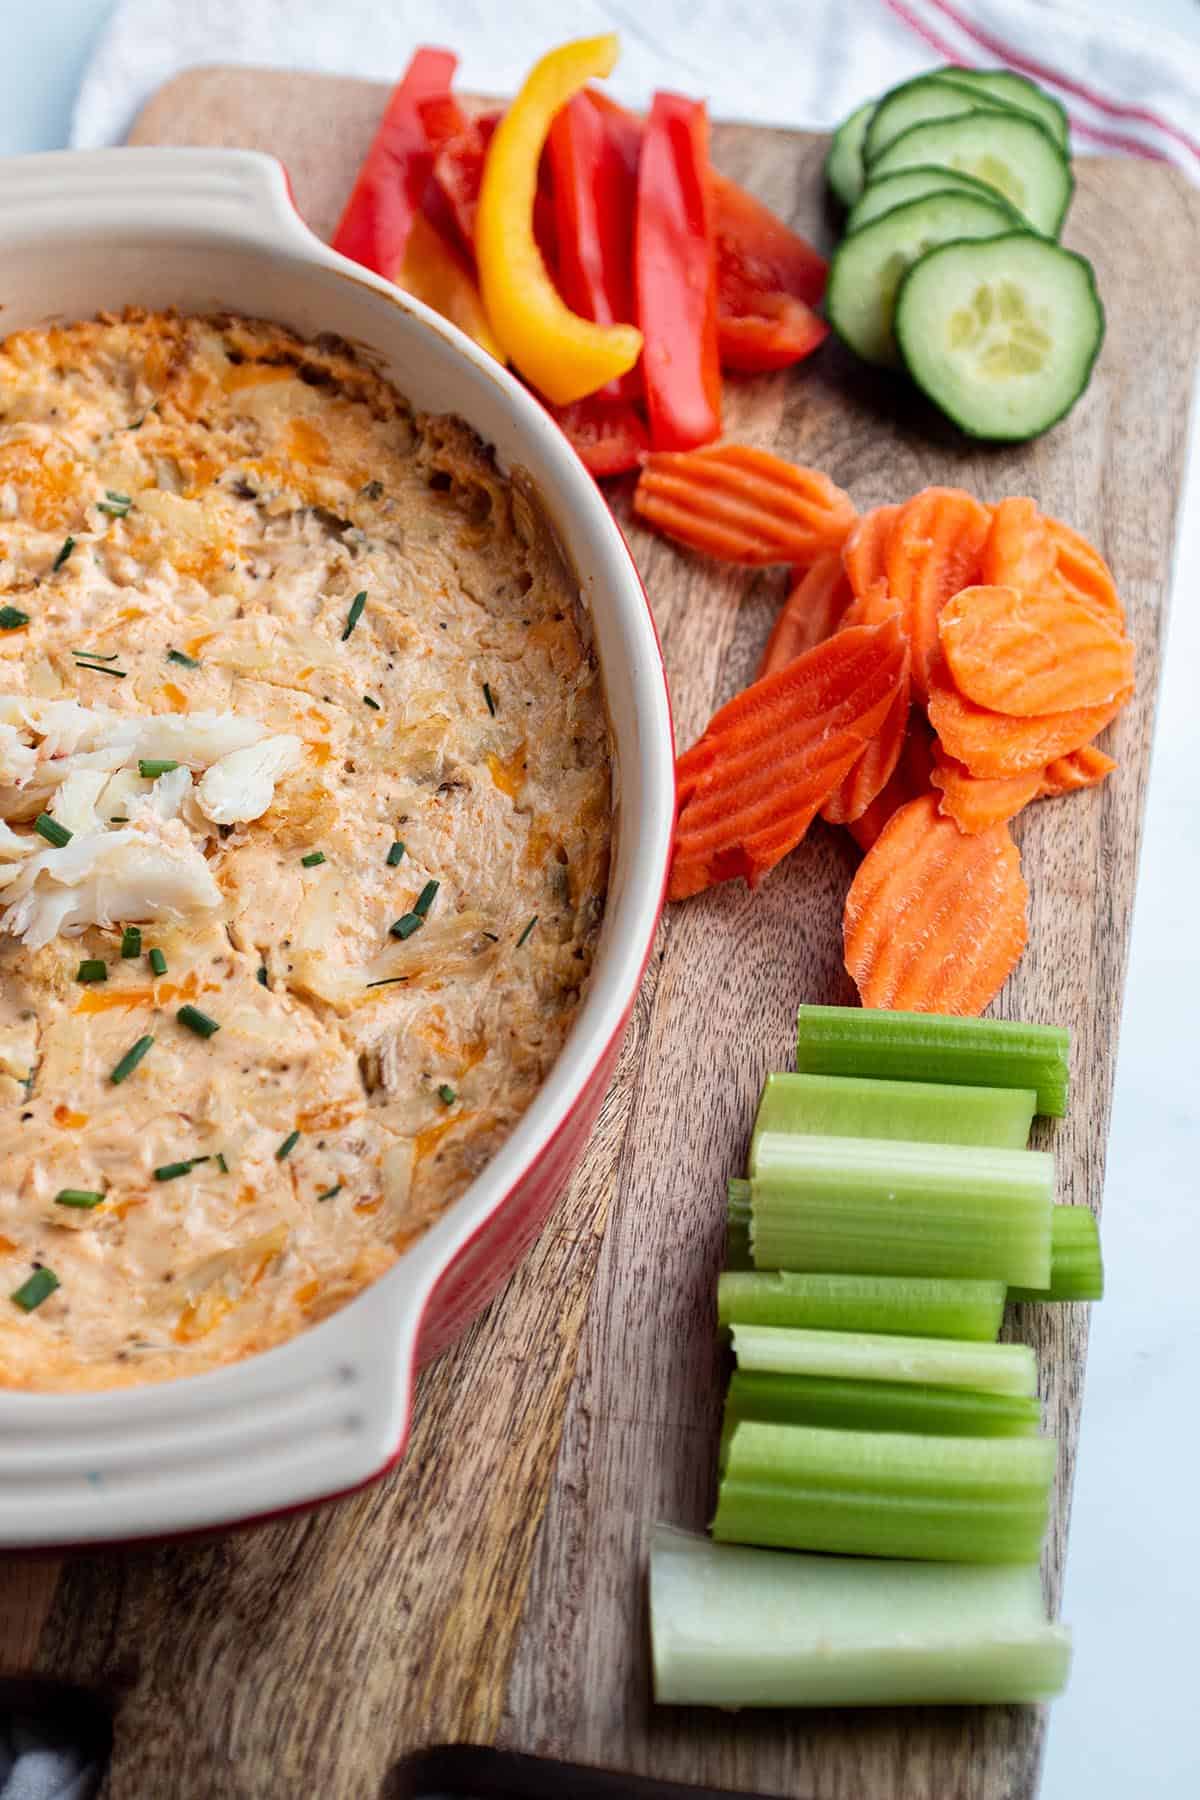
[(768, 280), (390, 186), (606, 431), (779, 332), (675, 276), (593, 165), (458, 173)]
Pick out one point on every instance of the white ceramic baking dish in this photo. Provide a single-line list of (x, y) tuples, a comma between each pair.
[(208, 231)]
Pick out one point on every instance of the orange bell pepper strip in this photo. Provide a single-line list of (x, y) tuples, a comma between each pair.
[(562, 355), (436, 274)]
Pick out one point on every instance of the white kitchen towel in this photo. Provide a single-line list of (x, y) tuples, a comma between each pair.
[(1127, 87)]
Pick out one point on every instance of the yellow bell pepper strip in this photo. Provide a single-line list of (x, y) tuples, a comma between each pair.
[(562, 355), (434, 273)]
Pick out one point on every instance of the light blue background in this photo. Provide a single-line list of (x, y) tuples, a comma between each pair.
[(1124, 1730)]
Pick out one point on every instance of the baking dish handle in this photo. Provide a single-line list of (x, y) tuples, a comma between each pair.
[(197, 194)]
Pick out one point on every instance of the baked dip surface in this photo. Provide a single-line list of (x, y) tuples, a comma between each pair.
[(305, 680)]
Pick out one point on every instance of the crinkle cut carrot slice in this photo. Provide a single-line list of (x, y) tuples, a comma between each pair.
[(750, 788), (933, 549), (1031, 653), (873, 769), (993, 744), (743, 505), (1081, 769), (864, 553), (935, 919), (1081, 574), (811, 613), (975, 803), (1019, 550), (909, 780)]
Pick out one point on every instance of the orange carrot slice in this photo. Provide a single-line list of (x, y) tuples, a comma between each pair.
[(811, 613), (743, 505), (864, 553), (933, 549), (995, 744), (1081, 574), (1019, 550), (935, 919), (909, 780), (750, 788), (975, 803), (1081, 769), (873, 769), (1029, 654)]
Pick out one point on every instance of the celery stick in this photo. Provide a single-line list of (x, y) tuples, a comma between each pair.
[(903, 1304), (883, 1207), (732, 1627), (737, 1239), (844, 1405), (920, 1111), (860, 1493), (1076, 1266), (873, 1356), (845, 1040)]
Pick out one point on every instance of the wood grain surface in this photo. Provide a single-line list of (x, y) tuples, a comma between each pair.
[(491, 1591)]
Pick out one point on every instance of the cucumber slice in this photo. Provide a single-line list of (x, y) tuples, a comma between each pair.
[(1004, 150), (916, 103), (869, 265), (879, 196), (1002, 335), (1017, 90), (844, 164)]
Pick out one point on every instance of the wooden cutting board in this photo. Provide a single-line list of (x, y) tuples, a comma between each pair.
[(491, 1592)]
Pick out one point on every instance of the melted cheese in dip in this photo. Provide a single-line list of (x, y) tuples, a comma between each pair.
[(195, 505)]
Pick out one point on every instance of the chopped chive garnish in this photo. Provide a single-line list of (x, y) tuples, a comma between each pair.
[(12, 618), (97, 655), (158, 961), (524, 935), (187, 662), (99, 668), (312, 859), (491, 704), (288, 1145), (131, 941), (387, 981), (51, 830), (404, 928), (373, 704), (130, 1060), (40, 1285), (60, 559), (82, 1198), (424, 899), (119, 819), (116, 506), (92, 968), (373, 490), (151, 767), (196, 1021), (491, 937), (395, 854), (446, 1094), (219, 1159), (172, 1171), (261, 974), (330, 1192), (355, 613)]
